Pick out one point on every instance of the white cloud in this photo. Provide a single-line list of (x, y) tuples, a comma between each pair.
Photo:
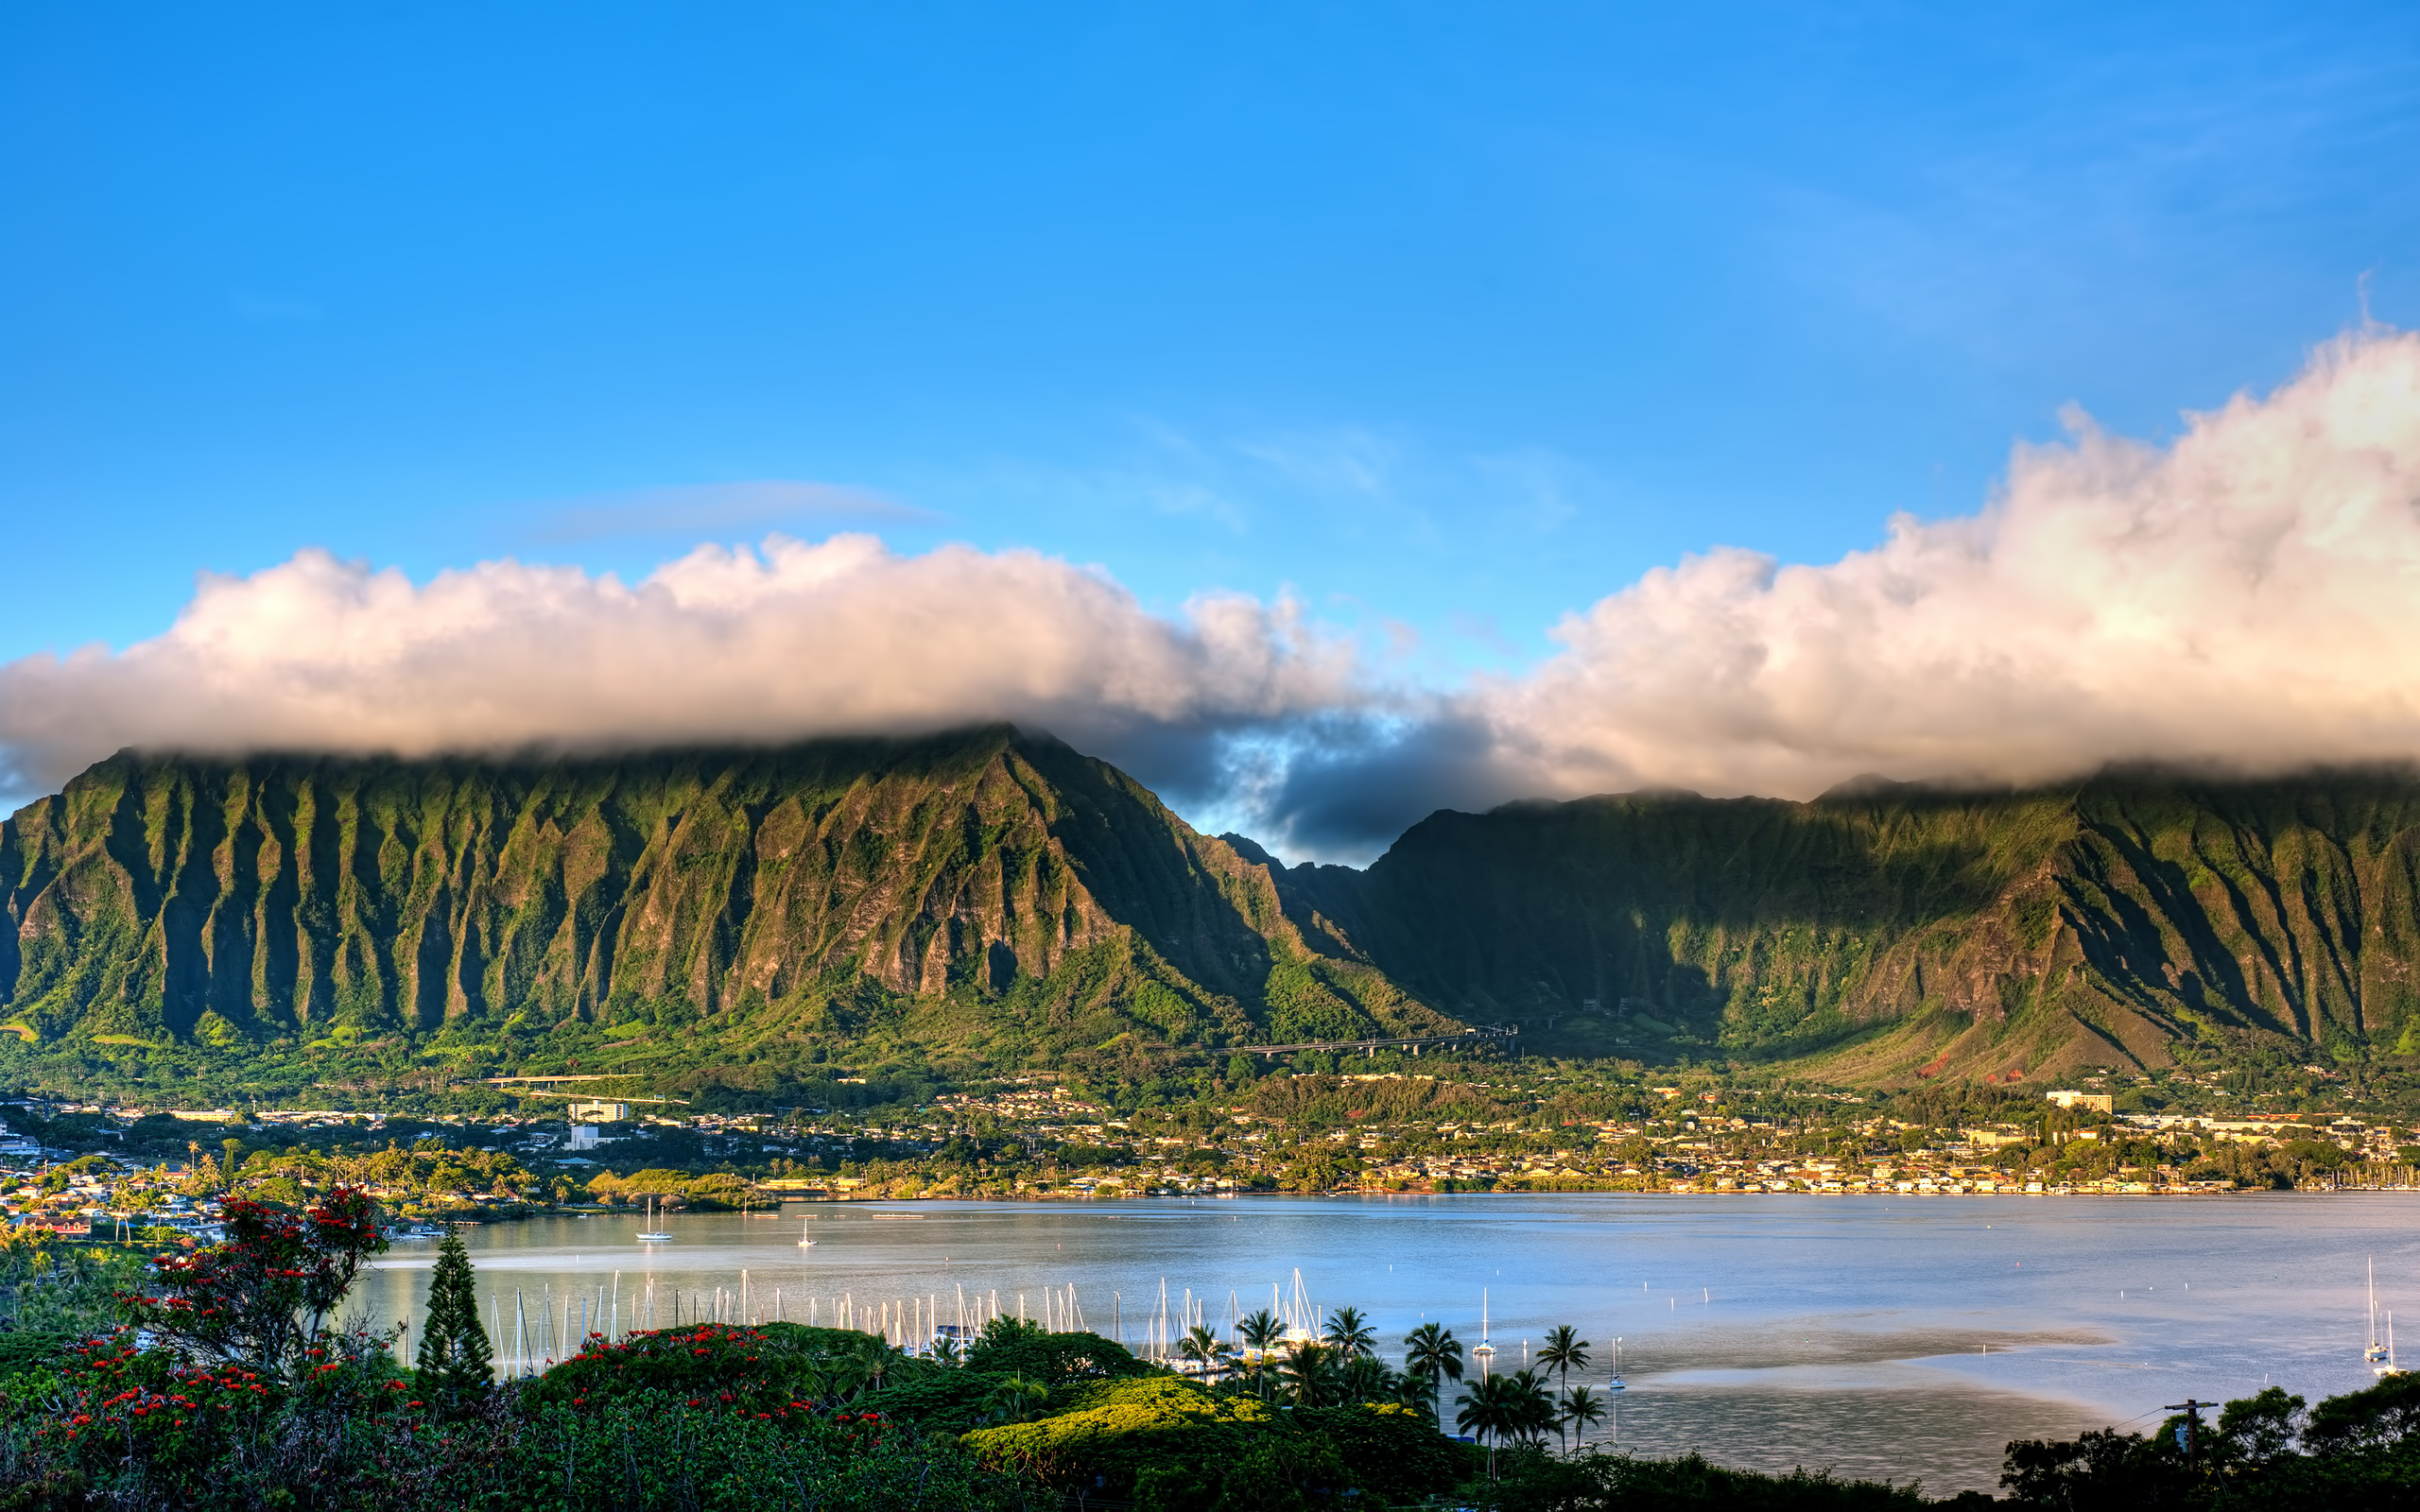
[(721, 645), (2249, 597)]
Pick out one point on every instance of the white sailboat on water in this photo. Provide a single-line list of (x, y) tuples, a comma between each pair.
[(2379, 1357), (1486, 1351), (651, 1234), (1616, 1383), (803, 1241)]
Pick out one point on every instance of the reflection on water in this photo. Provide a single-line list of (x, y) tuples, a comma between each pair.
[(1878, 1338)]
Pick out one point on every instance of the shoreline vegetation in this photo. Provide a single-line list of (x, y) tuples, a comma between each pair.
[(227, 1378), (1315, 1127)]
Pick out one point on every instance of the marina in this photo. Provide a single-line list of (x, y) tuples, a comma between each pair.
[(1878, 1339)]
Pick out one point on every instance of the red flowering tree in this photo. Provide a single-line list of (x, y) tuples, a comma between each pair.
[(262, 1300)]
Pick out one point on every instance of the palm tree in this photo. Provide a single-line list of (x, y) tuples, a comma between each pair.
[(1366, 1378), (1012, 1401), (1487, 1413), (1260, 1333), (947, 1353), (1350, 1333), (1564, 1351), (875, 1360), (1201, 1344), (1529, 1411), (1430, 1351), (833, 1379), (1579, 1410), (1310, 1374), (1259, 1329)]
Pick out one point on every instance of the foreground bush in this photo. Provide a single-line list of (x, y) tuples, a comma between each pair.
[(1166, 1443), (769, 1370), (1594, 1480), (2350, 1453), (119, 1427)]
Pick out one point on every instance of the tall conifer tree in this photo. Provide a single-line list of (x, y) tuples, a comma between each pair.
[(454, 1351)]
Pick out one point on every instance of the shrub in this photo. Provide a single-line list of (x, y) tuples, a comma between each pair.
[(1533, 1480), (264, 1297), (135, 1428), (1010, 1347), (1168, 1443), (770, 1369), (1104, 1435)]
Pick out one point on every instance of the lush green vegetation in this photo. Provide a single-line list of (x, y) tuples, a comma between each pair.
[(754, 923), (1887, 934), (229, 1383), (788, 927)]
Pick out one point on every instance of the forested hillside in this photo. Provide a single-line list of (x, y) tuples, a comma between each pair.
[(1899, 931), (999, 899), (986, 892)]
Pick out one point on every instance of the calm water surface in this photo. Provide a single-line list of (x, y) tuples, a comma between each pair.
[(1881, 1337)]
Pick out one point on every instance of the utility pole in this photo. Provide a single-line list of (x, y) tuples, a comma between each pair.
[(2189, 1431)]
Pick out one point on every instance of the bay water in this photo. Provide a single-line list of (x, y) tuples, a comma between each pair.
[(1903, 1338)]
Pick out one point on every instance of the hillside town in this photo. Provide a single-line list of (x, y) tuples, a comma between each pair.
[(102, 1171)]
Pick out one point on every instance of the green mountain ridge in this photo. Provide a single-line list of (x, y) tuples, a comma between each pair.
[(1893, 932), (988, 892), (994, 899)]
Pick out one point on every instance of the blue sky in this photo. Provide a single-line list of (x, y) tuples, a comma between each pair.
[(1453, 318)]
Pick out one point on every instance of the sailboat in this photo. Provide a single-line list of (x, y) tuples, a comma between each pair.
[(1485, 1351), (2379, 1357), (651, 1234), (803, 1241), (1616, 1383)]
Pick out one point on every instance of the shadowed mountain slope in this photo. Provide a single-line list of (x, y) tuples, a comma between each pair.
[(1900, 932), (999, 896), (1033, 899)]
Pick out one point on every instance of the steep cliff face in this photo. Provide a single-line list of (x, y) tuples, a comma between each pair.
[(1900, 932), (172, 899), (1004, 893)]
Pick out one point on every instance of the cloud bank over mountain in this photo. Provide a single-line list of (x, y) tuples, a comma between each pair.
[(722, 645), (2247, 596)]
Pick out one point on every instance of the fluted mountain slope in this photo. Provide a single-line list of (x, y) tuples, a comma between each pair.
[(1902, 932), (1007, 898), (169, 899)]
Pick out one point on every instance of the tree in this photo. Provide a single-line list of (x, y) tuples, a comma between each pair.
[(1431, 1352), (1201, 1344), (1416, 1393), (1260, 1333), (2259, 1430), (1530, 1411), (1350, 1333), (263, 1298), (455, 1358), (1259, 1329), (2383, 1416), (1013, 1400), (1366, 1378), (1311, 1373), (1579, 1410), (1564, 1351), (1487, 1413)]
